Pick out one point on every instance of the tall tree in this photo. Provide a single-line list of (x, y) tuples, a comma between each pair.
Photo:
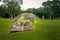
[(56, 7), (13, 6), (43, 11), (2, 11), (48, 5), (52, 6)]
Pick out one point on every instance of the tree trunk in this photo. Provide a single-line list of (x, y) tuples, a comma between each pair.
[(43, 17), (14, 15), (11, 17), (50, 17)]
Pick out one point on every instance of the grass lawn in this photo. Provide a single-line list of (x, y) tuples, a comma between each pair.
[(42, 30)]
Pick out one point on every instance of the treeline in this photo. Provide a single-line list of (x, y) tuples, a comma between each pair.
[(50, 9), (10, 8)]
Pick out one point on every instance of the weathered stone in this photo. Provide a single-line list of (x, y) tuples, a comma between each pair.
[(21, 26)]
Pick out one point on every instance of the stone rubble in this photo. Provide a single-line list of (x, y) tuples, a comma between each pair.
[(21, 26)]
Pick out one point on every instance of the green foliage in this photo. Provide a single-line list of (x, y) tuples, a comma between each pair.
[(29, 10), (53, 7), (48, 6), (7, 1), (11, 8), (2, 10)]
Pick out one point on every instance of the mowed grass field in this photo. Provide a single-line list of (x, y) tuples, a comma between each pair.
[(42, 30)]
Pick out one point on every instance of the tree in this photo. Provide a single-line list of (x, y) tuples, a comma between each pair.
[(29, 10), (13, 7), (2, 11), (53, 7), (6, 1), (48, 6), (42, 11), (56, 7)]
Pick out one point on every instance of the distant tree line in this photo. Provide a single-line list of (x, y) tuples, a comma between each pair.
[(12, 8), (50, 10)]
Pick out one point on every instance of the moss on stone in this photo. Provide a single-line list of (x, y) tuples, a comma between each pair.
[(24, 21)]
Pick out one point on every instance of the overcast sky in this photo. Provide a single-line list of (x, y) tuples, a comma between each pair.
[(31, 3)]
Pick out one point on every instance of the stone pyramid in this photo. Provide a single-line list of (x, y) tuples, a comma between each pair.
[(23, 26)]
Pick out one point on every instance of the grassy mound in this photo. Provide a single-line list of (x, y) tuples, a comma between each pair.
[(43, 30)]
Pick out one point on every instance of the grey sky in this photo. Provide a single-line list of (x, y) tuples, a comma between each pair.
[(31, 4)]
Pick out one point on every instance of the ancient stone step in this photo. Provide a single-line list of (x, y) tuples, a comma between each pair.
[(23, 26)]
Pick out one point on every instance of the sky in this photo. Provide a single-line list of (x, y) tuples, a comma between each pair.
[(1, 3), (30, 4)]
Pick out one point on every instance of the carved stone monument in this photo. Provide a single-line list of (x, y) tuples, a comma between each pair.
[(20, 26)]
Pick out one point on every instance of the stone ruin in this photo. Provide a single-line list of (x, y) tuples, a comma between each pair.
[(21, 26)]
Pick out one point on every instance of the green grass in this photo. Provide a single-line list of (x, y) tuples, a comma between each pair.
[(42, 30), (5, 25)]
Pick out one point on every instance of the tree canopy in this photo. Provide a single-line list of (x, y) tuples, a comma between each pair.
[(12, 7)]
